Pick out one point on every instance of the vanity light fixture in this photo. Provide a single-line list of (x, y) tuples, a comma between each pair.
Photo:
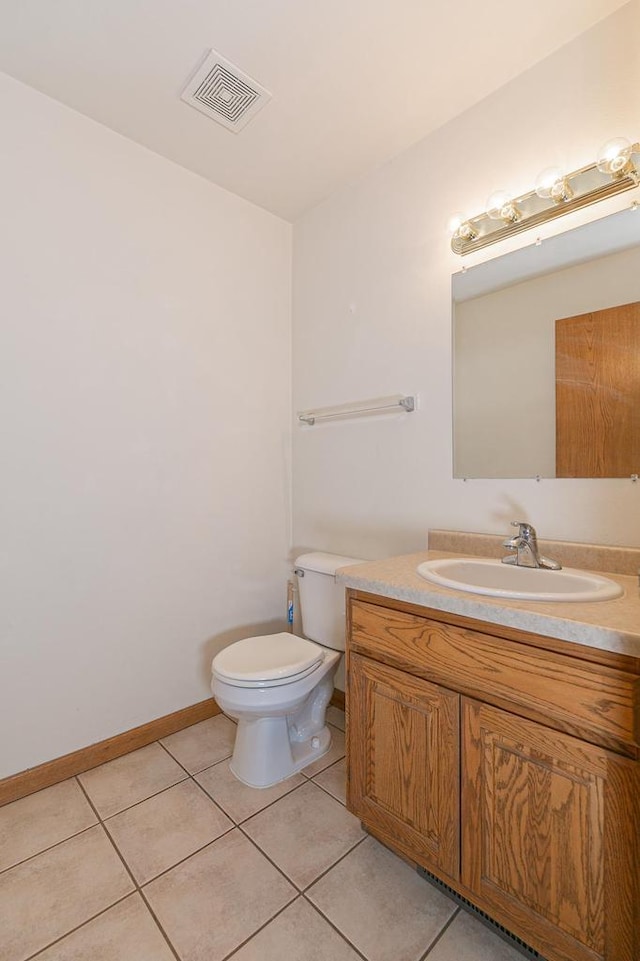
[(555, 193), (500, 206), (461, 228)]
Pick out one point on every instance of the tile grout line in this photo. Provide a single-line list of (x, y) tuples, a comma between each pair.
[(102, 825), (234, 825), (160, 926), (266, 856), (335, 863), (137, 887), (200, 770), (298, 892), (78, 927), (326, 790), (162, 873), (293, 788), (306, 892), (102, 819), (300, 897), (441, 933), (281, 870), (213, 763), (109, 906), (331, 923), (173, 758), (130, 807), (261, 928), (51, 847)]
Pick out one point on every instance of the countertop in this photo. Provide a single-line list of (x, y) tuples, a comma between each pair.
[(607, 625)]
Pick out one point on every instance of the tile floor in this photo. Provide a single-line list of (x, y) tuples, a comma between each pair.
[(163, 855)]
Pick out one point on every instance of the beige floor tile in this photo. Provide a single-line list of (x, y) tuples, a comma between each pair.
[(211, 903), (467, 939), (237, 799), (334, 780), (52, 893), (126, 932), (156, 834), (335, 752), (118, 784), (35, 823), (202, 744), (336, 717), (298, 933), (304, 833), (372, 896)]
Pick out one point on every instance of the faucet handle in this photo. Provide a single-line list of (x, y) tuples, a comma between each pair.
[(526, 530)]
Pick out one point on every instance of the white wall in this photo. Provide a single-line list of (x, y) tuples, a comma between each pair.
[(372, 272), (145, 423)]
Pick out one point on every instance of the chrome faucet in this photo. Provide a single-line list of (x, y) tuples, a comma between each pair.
[(525, 547)]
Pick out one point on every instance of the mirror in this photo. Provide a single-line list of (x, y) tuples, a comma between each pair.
[(526, 404)]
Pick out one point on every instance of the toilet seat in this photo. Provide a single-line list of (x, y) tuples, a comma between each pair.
[(267, 660)]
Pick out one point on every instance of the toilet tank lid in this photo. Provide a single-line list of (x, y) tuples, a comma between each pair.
[(325, 563)]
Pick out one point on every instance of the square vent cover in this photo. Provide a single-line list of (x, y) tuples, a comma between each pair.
[(224, 93)]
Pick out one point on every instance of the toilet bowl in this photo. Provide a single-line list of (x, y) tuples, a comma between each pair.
[(278, 686)]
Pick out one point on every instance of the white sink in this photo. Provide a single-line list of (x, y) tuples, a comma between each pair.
[(483, 576)]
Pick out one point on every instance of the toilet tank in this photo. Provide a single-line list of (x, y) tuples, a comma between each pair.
[(322, 599)]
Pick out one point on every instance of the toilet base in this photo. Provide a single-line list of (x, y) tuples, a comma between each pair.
[(264, 755)]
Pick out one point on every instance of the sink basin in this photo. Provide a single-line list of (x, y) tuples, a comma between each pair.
[(491, 577)]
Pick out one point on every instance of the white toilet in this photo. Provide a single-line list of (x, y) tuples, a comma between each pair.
[(278, 686)]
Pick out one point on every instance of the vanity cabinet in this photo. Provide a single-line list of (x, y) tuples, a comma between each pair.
[(504, 763)]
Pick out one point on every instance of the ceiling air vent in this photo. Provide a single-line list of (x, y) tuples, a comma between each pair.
[(224, 93)]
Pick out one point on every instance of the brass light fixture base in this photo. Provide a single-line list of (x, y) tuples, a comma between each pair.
[(583, 187)]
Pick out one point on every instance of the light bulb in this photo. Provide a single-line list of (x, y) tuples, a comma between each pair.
[(461, 228), (561, 191), (466, 231), (546, 181), (495, 202), (614, 157), (500, 206), (551, 183)]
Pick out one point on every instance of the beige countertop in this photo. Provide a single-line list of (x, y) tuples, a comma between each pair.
[(608, 625)]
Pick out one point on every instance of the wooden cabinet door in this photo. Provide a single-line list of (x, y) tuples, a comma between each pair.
[(549, 841), (403, 755), (598, 393)]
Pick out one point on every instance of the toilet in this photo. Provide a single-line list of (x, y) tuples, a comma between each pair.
[(278, 686)]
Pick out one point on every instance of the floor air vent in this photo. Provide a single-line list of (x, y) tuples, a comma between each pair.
[(498, 929), (224, 93)]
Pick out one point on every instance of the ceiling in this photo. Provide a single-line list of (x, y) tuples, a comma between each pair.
[(353, 82)]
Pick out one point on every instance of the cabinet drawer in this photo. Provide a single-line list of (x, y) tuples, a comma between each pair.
[(591, 700)]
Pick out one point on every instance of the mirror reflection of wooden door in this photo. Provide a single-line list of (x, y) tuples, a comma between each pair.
[(598, 393)]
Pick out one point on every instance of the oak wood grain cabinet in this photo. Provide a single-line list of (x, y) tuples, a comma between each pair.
[(404, 774), (504, 763)]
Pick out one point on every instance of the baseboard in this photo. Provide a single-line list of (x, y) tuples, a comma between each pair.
[(52, 772), (44, 775)]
